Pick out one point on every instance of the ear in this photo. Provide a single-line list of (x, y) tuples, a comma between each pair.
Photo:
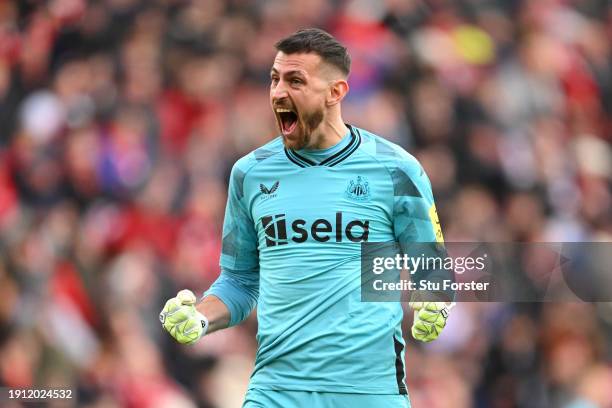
[(337, 91)]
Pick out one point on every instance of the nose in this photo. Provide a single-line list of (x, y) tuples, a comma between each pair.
[(279, 91)]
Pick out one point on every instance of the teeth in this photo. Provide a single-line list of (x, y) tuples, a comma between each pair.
[(281, 110)]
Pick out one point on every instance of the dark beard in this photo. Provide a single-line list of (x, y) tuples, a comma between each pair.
[(308, 124)]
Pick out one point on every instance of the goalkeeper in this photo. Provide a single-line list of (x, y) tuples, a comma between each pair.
[(298, 210)]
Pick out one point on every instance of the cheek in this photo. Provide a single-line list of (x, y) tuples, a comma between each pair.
[(311, 103)]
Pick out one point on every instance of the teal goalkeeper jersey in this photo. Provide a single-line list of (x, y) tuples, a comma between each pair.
[(292, 235)]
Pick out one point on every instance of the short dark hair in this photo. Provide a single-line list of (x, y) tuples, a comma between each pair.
[(319, 42)]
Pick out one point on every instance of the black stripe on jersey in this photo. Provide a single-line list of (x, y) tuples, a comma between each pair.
[(346, 153), (293, 160), (333, 159), (346, 148), (289, 156), (301, 159), (399, 367)]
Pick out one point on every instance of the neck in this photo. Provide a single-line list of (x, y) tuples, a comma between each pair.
[(328, 133)]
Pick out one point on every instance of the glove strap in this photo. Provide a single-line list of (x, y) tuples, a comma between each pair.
[(204, 321)]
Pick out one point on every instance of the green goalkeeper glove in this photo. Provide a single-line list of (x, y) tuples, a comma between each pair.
[(181, 319), (429, 319)]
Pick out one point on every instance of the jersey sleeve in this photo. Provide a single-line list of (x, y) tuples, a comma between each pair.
[(238, 284), (415, 220)]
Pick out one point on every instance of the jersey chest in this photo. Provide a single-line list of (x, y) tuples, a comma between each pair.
[(321, 204)]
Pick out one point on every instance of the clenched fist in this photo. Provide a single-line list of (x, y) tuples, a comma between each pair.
[(181, 319)]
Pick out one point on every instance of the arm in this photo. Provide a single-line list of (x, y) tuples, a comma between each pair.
[(415, 220), (231, 298), (217, 313), (234, 294), (417, 229)]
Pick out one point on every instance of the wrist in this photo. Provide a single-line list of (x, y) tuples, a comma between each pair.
[(204, 322)]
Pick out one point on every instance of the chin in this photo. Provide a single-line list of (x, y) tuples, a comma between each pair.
[(295, 144)]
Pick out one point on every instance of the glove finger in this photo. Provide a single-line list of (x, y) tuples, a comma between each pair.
[(188, 339), (186, 297), (171, 305), (177, 331), (429, 337), (440, 324), (434, 306), (419, 334), (192, 326), (421, 327), (435, 319), (428, 316), (170, 328), (424, 332), (180, 315), (172, 313), (189, 332)]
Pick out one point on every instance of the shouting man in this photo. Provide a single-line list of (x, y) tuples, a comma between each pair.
[(298, 211)]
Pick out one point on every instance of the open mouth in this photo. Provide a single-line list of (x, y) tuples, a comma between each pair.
[(288, 120)]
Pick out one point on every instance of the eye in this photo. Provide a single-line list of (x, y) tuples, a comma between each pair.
[(296, 81), (274, 80)]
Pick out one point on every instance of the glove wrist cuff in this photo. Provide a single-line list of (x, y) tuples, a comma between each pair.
[(204, 321)]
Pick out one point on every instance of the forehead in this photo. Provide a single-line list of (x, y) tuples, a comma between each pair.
[(307, 63)]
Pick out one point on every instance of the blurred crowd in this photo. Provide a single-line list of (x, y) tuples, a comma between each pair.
[(120, 121)]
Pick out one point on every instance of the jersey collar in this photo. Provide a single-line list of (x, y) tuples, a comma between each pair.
[(332, 160)]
